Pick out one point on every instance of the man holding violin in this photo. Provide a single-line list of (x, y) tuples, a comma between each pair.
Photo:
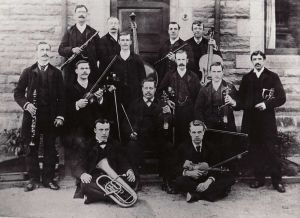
[(196, 178)]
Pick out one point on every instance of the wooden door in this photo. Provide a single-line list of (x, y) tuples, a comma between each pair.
[(152, 18)]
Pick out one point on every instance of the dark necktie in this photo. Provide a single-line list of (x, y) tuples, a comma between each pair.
[(198, 148), (148, 102), (43, 68)]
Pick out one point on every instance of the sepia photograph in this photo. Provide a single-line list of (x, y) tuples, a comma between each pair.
[(150, 108)]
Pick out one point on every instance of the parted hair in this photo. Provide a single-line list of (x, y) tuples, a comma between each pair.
[(258, 52), (198, 123)]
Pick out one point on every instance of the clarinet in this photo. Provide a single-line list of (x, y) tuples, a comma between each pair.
[(33, 121)]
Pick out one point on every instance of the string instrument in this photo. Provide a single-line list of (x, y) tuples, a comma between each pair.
[(114, 186), (207, 59), (150, 71), (225, 92), (82, 47), (173, 51), (33, 120), (268, 94)]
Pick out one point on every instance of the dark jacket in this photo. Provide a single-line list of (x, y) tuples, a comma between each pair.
[(28, 82), (108, 47), (167, 65), (186, 151), (260, 125), (204, 107), (198, 51), (70, 40), (91, 154)]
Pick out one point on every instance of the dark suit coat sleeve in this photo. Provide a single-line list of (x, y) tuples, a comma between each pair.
[(199, 105), (61, 94), (279, 95), (19, 92), (65, 49)]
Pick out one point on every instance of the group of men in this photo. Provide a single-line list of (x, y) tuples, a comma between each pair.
[(129, 113)]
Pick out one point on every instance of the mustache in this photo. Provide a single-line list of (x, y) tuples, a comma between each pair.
[(181, 65), (45, 55), (257, 64), (81, 16)]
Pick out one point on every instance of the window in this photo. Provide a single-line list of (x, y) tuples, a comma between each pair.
[(282, 27)]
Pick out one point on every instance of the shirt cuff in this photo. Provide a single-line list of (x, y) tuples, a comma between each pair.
[(76, 106), (101, 100), (184, 172), (25, 105), (60, 117), (212, 178)]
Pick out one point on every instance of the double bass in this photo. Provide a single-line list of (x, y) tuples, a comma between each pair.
[(207, 59), (150, 71)]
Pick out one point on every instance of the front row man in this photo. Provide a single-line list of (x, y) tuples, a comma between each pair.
[(196, 180), (92, 154)]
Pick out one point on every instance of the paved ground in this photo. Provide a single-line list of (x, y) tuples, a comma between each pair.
[(242, 202)]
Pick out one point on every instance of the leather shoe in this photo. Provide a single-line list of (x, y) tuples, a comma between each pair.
[(191, 197), (257, 184), (52, 185), (30, 186), (279, 187)]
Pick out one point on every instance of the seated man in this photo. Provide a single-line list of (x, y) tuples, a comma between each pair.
[(195, 158), (148, 116), (88, 169)]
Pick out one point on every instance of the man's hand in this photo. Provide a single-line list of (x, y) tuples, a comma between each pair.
[(111, 88), (85, 178), (130, 175), (204, 185), (166, 109), (261, 106), (76, 50), (81, 103), (58, 122), (99, 94), (171, 104), (171, 56), (230, 101), (195, 174), (133, 136), (213, 43), (31, 109)]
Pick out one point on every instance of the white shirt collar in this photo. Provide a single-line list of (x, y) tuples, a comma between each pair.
[(181, 72), (173, 41), (198, 41), (125, 54), (146, 101), (83, 83), (101, 145), (195, 146), (258, 73), (81, 28), (114, 36), (39, 66), (216, 86)]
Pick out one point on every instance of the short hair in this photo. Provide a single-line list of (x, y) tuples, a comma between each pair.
[(216, 64), (110, 18), (181, 51), (197, 123), (81, 6), (173, 22), (258, 52), (124, 33), (149, 79), (102, 121), (197, 23), (81, 62), (42, 43)]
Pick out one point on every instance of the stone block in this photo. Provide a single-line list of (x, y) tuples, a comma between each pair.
[(243, 27), (285, 121), (3, 79), (235, 42), (237, 9), (228, 26), (12, 79)]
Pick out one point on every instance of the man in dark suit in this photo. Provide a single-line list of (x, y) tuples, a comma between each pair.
[(88, 167), (70, 44), (109, 45), (46, 81), (185, 85), (195, 157), (260, 93), (174, 42), (199, 46), (147, 116), (214, 106)]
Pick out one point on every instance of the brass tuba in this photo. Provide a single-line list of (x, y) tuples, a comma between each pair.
[(114, 186)]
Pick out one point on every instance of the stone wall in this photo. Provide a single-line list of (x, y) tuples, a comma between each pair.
[(24, 23)]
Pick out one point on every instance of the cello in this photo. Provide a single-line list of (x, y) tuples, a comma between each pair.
[(150, 71), (207, 59)]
